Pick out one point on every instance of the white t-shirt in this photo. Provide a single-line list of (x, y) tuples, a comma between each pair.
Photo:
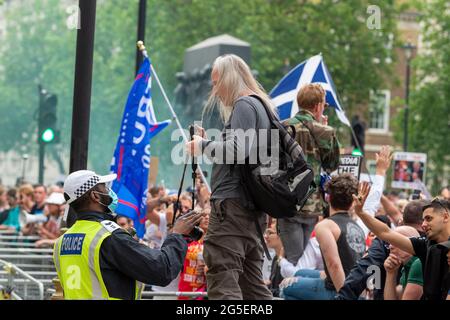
[(173, 286), (310, 259), (151, 236), (267, 264)]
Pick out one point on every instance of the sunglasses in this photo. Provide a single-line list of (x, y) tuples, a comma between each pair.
[(442, 203), (326, 105)]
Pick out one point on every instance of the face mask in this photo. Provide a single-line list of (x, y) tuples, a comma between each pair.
[(112, 200)]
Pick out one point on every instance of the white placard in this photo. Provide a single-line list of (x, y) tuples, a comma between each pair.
[(409, 168), (349, 164)]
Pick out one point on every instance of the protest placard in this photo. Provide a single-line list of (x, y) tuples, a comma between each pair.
[(349, 164), (409, 169)]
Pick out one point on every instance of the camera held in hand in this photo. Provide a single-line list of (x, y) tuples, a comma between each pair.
[(197, 232)]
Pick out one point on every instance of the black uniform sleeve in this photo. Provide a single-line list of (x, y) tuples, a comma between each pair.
[(139, 262), (355, 282)]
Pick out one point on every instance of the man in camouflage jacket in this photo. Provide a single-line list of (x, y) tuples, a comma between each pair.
[(321, 149)]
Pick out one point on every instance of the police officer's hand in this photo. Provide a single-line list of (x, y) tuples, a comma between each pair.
[(187, 222)]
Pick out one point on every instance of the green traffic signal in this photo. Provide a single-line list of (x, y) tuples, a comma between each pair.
[(356, 152), (48, 135)]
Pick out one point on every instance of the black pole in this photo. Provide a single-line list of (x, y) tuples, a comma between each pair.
[(41, 162), (363, 157), (82, 86), (405, 133), (40, 142), (140, 30)]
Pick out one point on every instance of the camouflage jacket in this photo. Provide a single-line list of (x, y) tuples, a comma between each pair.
[(321, 151)]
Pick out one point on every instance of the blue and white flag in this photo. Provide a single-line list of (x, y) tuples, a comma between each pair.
[(131, 161), (313, 70)]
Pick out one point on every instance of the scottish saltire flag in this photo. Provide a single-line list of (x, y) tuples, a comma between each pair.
[(131, 161), (313, 70)]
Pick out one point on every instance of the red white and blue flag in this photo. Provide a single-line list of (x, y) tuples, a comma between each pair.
[(131, 161)]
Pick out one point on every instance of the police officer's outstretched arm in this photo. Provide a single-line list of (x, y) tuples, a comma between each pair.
[(150, 266)]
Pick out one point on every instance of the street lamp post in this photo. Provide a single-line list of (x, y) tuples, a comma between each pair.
[(408, 49)]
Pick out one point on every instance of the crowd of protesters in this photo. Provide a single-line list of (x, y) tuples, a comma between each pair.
[(344, 258), (352, 240)]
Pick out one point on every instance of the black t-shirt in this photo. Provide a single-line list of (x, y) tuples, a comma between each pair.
[(4, 215), (275, 277), (435, 270), (37, 210), (351, 245)]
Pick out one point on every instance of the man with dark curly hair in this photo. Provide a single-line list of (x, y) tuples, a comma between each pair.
[(341, 242)]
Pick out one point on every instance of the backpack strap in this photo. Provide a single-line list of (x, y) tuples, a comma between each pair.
[(263, 242)]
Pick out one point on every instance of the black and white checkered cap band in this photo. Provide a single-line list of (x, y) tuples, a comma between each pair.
[(87, 186)]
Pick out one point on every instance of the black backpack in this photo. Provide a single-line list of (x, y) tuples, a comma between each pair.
[(283, 193)]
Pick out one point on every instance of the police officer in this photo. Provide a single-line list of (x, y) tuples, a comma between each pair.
[(96, 259)]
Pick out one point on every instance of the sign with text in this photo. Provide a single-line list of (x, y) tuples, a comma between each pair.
[(349, 164), (409, 170)]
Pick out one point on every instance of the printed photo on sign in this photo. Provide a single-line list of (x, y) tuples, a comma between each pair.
[(409, 170), (349, 164)]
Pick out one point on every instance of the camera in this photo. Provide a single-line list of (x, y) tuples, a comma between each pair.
[(415, 195), (197, 232)]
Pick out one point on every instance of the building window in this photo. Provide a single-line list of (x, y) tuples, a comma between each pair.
[(379, 110)]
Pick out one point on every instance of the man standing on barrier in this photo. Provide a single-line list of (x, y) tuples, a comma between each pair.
[(321, 148), (233, 250), (97, 259)]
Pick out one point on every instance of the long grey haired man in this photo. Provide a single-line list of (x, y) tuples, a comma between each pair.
[(233, 250)]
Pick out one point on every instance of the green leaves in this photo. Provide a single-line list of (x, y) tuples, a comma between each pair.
[(278, 31), (429, 114)]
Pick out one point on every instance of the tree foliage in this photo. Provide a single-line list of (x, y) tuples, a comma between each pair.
[(39, 48), (430, 98)]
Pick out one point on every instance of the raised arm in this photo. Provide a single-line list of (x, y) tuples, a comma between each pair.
[(391, 210), (380, 229)]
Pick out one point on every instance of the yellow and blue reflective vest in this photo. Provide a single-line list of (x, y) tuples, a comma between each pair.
[(77, 259)]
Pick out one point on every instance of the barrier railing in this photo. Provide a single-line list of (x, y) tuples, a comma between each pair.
[(173, 294), (18, 238), (23, 285), (6, 244)]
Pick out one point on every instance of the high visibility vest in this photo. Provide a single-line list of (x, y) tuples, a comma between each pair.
[(77, 260)]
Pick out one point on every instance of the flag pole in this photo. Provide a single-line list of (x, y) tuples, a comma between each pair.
[(141, 46), (350, 126)]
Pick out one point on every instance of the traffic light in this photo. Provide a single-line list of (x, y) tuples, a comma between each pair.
[(359, 128), (47, 132), (356, 152)]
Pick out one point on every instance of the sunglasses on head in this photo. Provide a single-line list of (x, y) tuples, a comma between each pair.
[(440, 202)]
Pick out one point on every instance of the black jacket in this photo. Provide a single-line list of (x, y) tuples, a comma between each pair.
[(355, 282), (123, 260)]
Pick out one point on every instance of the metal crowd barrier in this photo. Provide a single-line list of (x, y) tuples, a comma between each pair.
[(35, 262), (18, 238), (33, 270), (10, 244), (23, 285), (173, 294)]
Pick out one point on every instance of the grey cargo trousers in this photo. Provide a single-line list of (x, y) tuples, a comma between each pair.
[(233, 253)]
